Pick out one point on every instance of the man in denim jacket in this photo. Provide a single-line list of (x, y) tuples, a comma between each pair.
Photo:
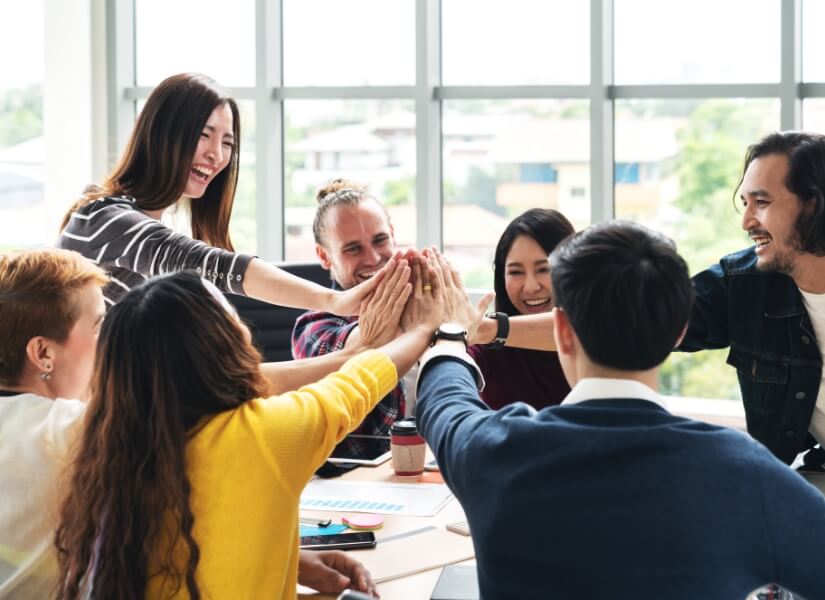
[(768, 302)]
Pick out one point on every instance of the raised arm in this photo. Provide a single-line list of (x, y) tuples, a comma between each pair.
[(379, 321), (113, 233), (533, 332), (269, 283)]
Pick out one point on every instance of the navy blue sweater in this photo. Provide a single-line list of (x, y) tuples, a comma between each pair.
[(618, 498)]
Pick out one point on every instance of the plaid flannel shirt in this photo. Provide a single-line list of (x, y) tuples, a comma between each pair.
[(318, 333)]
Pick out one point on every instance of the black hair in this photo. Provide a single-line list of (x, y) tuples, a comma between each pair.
[(626, 292), (805, 179), (546, 226)]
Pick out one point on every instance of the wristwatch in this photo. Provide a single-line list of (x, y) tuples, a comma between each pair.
[(450, 331), (502, 331)]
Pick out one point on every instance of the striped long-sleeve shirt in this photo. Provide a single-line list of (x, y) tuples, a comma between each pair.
[(133, 246)]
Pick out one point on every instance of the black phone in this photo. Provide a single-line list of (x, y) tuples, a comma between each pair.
[(339, 541)]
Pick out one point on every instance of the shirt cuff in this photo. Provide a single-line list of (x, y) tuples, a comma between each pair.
[(453, 350)]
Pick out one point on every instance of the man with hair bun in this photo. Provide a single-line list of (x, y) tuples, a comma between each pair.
[(353, 240)]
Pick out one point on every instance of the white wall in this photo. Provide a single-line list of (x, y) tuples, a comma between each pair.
[(74, 100)]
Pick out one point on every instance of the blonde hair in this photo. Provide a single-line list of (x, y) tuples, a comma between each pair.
[(339, 192), (38, 297)]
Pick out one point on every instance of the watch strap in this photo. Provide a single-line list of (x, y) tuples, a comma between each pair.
[(502, 330), (440, 334)]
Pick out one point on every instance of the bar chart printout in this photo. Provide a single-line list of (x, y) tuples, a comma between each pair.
[(408, 499)]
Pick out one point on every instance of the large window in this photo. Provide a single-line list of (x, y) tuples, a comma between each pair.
[(24, 219), (368, 142), (461, 114)]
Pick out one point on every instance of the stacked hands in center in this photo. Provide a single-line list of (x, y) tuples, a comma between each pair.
[(418, 289)]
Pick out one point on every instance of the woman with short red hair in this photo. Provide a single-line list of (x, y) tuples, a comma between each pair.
[(51, 307)]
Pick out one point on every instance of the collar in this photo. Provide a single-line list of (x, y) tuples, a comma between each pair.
[(784, 298), (600, 388)]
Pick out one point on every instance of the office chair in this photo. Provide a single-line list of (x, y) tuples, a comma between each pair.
[(271, 325)]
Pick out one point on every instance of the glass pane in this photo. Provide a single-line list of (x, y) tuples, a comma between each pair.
[(813, 115), (369, 142), (813, 43), (242, 226), (521, 42), (503, 157), (703, 41), (359, 42), (677, 166), (203, 36), (25, 217)]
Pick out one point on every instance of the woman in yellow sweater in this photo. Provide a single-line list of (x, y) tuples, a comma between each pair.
[(189, 477)]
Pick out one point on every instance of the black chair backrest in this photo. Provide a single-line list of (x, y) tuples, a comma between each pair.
[(271, 325)]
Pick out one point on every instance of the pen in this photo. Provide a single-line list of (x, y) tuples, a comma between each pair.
[(315, 522)]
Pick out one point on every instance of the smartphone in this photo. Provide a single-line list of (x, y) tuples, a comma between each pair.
[(339, 541)]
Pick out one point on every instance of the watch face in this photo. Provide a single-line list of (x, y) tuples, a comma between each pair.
[(451, 329)]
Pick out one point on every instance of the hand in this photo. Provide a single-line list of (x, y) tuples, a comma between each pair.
[(425, 308), (349, 302), (381, 314), (457, 306), (331, 571)]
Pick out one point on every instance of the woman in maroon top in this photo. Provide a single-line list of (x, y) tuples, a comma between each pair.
[(521, 275)]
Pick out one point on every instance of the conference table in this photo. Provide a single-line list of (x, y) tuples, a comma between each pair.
[(409, 532), (411, 536)]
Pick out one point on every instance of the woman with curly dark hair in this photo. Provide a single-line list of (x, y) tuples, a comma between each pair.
[(189, 475)]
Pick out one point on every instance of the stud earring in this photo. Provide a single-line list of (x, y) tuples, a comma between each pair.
[(46, 375)]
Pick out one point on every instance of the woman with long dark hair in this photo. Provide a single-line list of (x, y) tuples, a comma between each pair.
[(189, 474), (185, 144), (521, 280)]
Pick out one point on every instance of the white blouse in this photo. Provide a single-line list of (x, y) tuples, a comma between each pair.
[(36, 437)]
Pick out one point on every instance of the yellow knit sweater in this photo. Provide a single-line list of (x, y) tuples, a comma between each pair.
[(247, 468)]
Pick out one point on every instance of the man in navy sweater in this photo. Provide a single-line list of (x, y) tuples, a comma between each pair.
[(610, 495)]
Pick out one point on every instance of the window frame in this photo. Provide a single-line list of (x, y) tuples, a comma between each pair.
[(269, 95)]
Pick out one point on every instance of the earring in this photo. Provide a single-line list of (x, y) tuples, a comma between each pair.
[(46, 375)]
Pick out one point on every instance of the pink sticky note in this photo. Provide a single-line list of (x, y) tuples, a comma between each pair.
[(363, 521)]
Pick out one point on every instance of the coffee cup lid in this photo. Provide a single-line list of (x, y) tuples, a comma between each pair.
[(404, 426)]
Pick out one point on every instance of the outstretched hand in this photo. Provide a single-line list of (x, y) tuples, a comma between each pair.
[(457, 306), (425, 307), (381, 313), (349, 302), (333, 571)]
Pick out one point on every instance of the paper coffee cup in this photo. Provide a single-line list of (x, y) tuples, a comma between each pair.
[(408, 449)]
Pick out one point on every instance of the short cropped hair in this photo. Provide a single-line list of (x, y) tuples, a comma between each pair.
[(626, 292), (805, 179), (38, 297)]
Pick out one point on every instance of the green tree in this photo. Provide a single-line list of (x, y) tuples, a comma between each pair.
[(708, 167), (21, 115), (399, 191)]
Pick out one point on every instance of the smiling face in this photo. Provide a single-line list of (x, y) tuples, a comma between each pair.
[(357, 241), (213, 153), (770, 213), (527, 276)]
